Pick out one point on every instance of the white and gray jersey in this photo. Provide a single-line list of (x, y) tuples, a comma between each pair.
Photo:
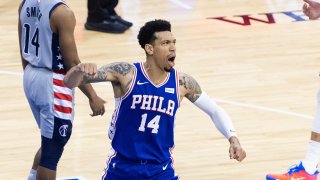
[(39, 45)]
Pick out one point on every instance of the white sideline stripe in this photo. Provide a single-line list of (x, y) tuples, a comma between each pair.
[(181, 4), (252, 106), (11, 73), (10, 64), (75, 177)]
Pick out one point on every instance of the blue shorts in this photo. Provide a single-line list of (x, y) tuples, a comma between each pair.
[(119, 168)]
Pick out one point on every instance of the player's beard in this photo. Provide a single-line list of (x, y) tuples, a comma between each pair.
[(168, 69)]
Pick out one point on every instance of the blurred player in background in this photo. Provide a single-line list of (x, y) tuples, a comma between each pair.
[(48, 50), (307, 168)]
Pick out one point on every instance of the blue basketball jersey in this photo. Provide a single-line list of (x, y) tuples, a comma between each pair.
[(143, 121)]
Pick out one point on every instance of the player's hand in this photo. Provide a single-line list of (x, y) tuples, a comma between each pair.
[(87, 68), (97, 106), (76, 75), (235, 150), (311, 9)]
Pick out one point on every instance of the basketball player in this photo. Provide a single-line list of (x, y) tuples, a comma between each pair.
[(48, 50), (147, 96), (307, 168)]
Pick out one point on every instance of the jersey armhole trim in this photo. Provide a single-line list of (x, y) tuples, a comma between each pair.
[(132, 84), (177, 87), (54, 7), (23, 3)]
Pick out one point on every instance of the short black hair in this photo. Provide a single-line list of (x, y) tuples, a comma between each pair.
[(146, 33)]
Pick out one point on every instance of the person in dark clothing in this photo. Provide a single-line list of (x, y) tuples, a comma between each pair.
[(103, 17)]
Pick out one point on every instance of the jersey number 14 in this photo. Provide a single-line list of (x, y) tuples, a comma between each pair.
[(153, 124), (34, 40)]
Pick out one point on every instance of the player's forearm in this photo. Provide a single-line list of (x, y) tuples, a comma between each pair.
[(88, 90), (77, 79), (84, 73), (218, 116), (74, 77)]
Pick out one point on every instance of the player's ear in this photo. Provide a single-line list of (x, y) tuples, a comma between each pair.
[(149, 49)]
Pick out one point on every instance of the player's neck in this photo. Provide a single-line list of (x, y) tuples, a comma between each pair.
[(155, 74)]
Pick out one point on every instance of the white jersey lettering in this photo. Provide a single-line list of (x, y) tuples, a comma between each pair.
[(153, 103)]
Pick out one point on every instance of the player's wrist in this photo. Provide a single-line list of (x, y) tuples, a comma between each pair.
[(234, 140), (92, 96)]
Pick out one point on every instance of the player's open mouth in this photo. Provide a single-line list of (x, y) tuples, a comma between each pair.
[(171, 60)]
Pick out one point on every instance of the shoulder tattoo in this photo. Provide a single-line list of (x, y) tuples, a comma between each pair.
[(192, 87)]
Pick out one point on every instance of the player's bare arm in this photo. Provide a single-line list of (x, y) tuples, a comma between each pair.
[(118, 73), (63, 22), (111, 72), (189, 87)]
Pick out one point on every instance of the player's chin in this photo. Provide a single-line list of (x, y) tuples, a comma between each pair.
[(168, 69)]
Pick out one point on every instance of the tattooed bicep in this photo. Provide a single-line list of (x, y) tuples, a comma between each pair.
[(121, 68), (191, 86)]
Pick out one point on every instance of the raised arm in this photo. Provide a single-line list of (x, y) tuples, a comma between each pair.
[(190, 89), (84, 73)]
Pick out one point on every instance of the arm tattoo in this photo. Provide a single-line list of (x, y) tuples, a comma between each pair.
[(100, 76), (121, 68), (182, 82), (192, 87)]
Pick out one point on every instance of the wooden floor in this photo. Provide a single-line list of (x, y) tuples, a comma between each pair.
[(264, 75)]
